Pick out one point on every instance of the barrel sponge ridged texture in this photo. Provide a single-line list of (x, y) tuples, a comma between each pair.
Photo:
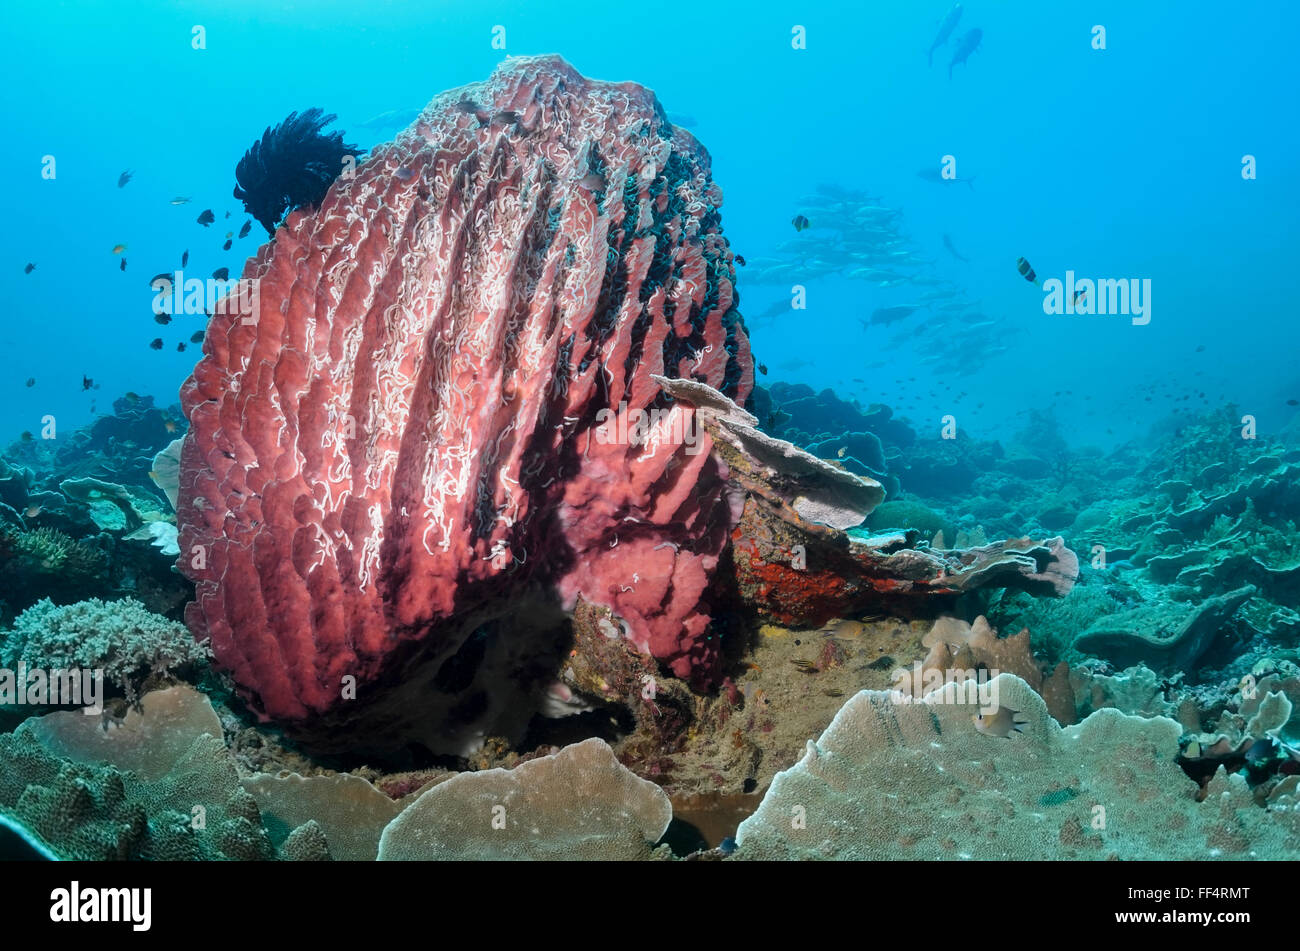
[(579, 803), (408, 425), (898, 780)]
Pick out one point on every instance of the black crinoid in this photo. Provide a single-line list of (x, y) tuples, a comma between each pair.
[(292, 166)]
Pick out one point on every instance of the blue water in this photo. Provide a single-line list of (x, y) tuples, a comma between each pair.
[(1117, 163)]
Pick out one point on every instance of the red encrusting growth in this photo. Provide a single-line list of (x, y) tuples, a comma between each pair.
[(410, 432)]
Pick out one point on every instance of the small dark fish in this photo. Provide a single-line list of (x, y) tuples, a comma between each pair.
[(221, 274), (506, 117), (226, 246), (180, 347), (467, 106), (800, 222), (132, 397), (159, 278), (156, 343), (122, 264), (1026, 271), (206, 217), (124, 178), (185, 258), (196, 337), (243, 232), (26, 436), (163, 319), (31, 381), (762, 368), (1201, 348), (1079, 295), (1261, 751), (947, 243), (592, 182), (29, 268), (227, 214), (740, 259), (404, 174), (86, 383), (1293, 402)]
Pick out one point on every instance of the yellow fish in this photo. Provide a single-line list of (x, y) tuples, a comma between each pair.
[(119, 248), (843, 629)]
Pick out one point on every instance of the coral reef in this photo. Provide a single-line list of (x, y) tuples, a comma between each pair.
[(1166, 637), (805, 575), (904, 514), (794, 562), (73, 514), (47, 562), (1045, 793), (488, 546), (185, 803)]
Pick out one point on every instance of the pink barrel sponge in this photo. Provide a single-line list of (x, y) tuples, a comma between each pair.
[(442, 404)]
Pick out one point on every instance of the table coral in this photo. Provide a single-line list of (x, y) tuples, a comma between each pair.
[(1047, 793), (579, 803)]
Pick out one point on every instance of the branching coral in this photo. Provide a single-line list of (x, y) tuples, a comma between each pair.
[(122, 638)]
